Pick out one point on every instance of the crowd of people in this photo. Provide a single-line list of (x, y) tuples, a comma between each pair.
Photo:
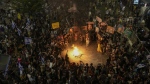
[(40, 60)]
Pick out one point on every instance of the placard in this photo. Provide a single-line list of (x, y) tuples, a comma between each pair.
[(28, 40), (136, 2), (55, 25)]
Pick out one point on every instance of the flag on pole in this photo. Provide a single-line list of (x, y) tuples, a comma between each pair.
[(19, 31), (6, 69), (20, 68), (13, 25), (27, 27), (28, 22), (42, 60), (19, 16)]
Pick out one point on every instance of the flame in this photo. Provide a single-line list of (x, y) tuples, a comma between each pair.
[(76, 52)]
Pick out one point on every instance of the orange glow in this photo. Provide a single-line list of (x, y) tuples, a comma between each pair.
[(76, 52)]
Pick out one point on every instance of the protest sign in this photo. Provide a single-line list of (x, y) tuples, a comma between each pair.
[(98, 19), (110, 29), (55, 25), (28, 40)]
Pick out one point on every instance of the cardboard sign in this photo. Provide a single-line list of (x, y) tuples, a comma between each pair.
[(55, 25), (98, 19), (110, 29)]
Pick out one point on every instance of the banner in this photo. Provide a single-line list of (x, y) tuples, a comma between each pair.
[(28, 40), (110, 29), (103, 24), (55, 25), (98, 19)]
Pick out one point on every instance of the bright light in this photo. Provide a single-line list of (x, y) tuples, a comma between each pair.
[(76, 52)]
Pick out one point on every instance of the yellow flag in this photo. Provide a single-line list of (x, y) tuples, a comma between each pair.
[(55, 25), (19, 16)]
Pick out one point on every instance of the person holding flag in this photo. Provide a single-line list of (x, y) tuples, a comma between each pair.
[(42, 66), (28, 22), (13, 25), (20, 69), (19, 16), (19, 31), (41, 58)]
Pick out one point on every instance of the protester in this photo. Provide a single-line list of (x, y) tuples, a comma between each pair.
[(36, 55)]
